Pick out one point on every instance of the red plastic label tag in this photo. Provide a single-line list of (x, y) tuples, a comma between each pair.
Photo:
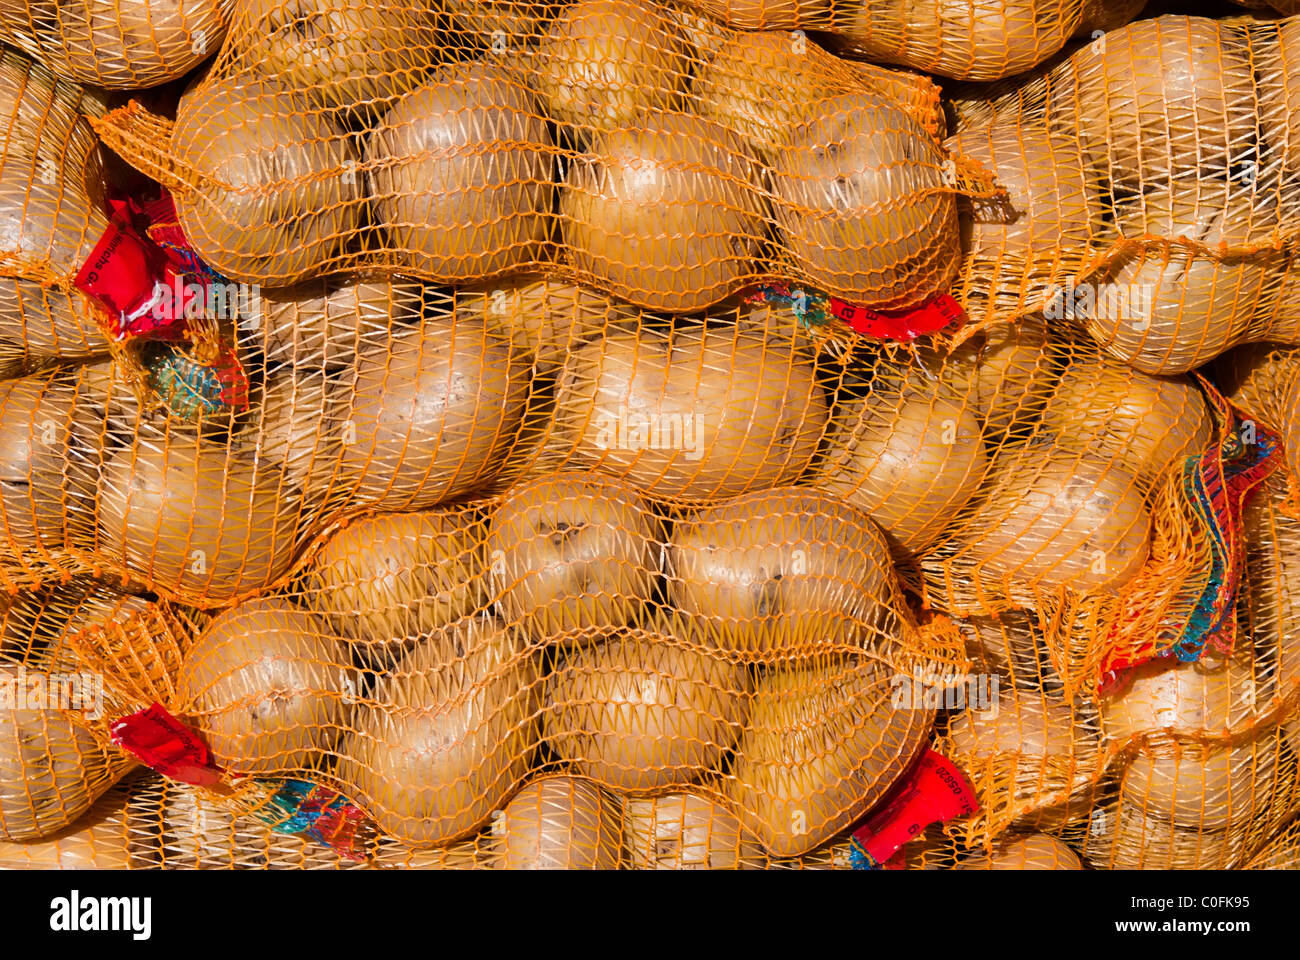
[(933, 791), (162, 743), (938, 313), (139, 273)]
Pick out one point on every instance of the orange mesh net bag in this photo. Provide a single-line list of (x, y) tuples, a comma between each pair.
[(529, 146), (1150, 179)]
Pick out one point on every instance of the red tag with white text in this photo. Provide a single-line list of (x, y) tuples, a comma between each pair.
[(906, 325), (932, 791), (163, 743)]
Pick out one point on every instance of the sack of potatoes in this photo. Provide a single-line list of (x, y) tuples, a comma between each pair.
[(625, 144), (552, 462)]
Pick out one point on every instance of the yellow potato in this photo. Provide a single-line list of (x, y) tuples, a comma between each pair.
[(603, 62), (572, 553), (430, 415), (560, 823), (1142, 424), (862, 211), (1037, 852), (687, 831), (666, 213), (1133, 95), (270, 688), (1073, 522), (643, 711), (384, 582), (655, 410), (197, 518), (468, 148), (910, 456), (783, 572), (446, 736), (822, 744)]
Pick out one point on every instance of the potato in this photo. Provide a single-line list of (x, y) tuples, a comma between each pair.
[(1271, 588), (270, 688), (782, 572), (735, 87), (35, 432), (603, 62), (1003, 374), (1124, 838), (278, 190), (1008, 646), (822, 744), (473, 854), (336, 52), (1143, 424), (688, 831), (430, 416), (1133, 96), (446, 736), (295, 425), (767, 14), (572, 553), (1050, 204), (1064, 522), (97, 840), (502, 25), (548, 317), (911, 457), (666, 213), (52, 769), (469, 149), (326, 322), (963, 39), (1205, 697), (560, 823), (197, 519), (1167, 316), (861, 209), (643, 711), (1279, 95), (1038, 852), (37, 625), (1031, 756), (1203, 788), (647, 407), (384, 582)]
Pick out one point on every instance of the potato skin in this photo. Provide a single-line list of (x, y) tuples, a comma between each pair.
[(430, 416), (468, 148), (560, 823), (911, 458), (1073, 522), (1037, 852), (643, 711), (270, 687), (384, 582), (446, 736), (572, 553), (689, 177), (822, 744), (780, 573), (636, 406)]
